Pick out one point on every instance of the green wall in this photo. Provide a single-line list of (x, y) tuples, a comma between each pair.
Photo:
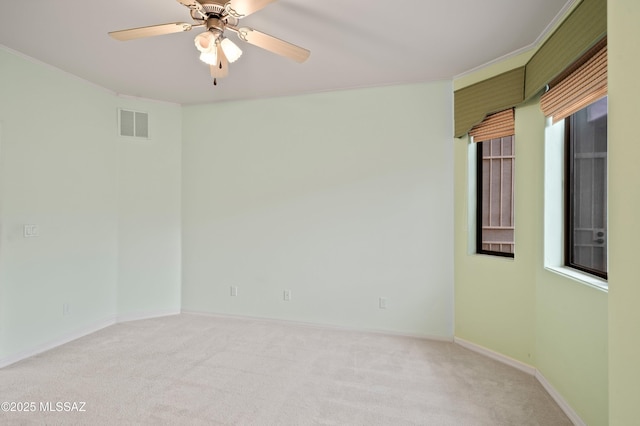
[(494, 296), (517, 307), (624, 208), (586, 341)]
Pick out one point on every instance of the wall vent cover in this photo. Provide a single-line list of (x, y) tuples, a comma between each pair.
[(134, 124)]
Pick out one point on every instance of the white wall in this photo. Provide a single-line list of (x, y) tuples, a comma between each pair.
[(341, 197), (149, 258), (57, 167), (108, 210)]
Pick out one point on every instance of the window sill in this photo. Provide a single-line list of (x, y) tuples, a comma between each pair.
[(581, 277), (493, 256)]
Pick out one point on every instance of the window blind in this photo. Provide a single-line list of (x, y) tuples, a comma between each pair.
[(581, 30), (583, 86), (495, 126), (473, 103)]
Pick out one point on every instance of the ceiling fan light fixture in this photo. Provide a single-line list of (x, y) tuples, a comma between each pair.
[(206, 44), (231, 50)]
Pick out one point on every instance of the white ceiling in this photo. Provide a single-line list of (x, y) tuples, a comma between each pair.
[(355, 43)]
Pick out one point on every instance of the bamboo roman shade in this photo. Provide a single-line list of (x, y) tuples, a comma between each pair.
[(582, 29), (585, 85), (498, 125), (473, 103)]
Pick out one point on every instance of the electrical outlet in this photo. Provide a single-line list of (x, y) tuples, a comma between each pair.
[(31, 231), (66, 309), (234, 290), (287, 295), (383, 303)]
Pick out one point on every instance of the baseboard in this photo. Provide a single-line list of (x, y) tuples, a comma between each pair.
[(137, 316), (519, 365), (321, 326), (65, 338), (573, 416), (553, 393)]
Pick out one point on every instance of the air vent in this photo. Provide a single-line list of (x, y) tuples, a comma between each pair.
[(134, 124)]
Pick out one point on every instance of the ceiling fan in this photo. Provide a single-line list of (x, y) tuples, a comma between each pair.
[(216, 16)]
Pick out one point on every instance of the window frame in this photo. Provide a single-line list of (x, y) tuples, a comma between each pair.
[(569, 201), (479, 202)]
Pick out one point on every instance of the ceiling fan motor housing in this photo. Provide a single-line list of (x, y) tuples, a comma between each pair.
[(215, 9), (216, 26)]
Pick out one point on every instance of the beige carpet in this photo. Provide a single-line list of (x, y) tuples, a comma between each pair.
[(190, 369)]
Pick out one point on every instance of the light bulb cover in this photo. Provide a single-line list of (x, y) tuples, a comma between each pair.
[(206, 44), (205, 41), (231, 50), (210, 58)]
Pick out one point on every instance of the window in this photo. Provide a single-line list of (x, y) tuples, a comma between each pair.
[(586, 189), (577, 102), (495, 174), (495, 162)]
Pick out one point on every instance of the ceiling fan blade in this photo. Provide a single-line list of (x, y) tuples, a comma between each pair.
[(242, 8), (272, 44), (195, 6), (154, 30), (221, 69)]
